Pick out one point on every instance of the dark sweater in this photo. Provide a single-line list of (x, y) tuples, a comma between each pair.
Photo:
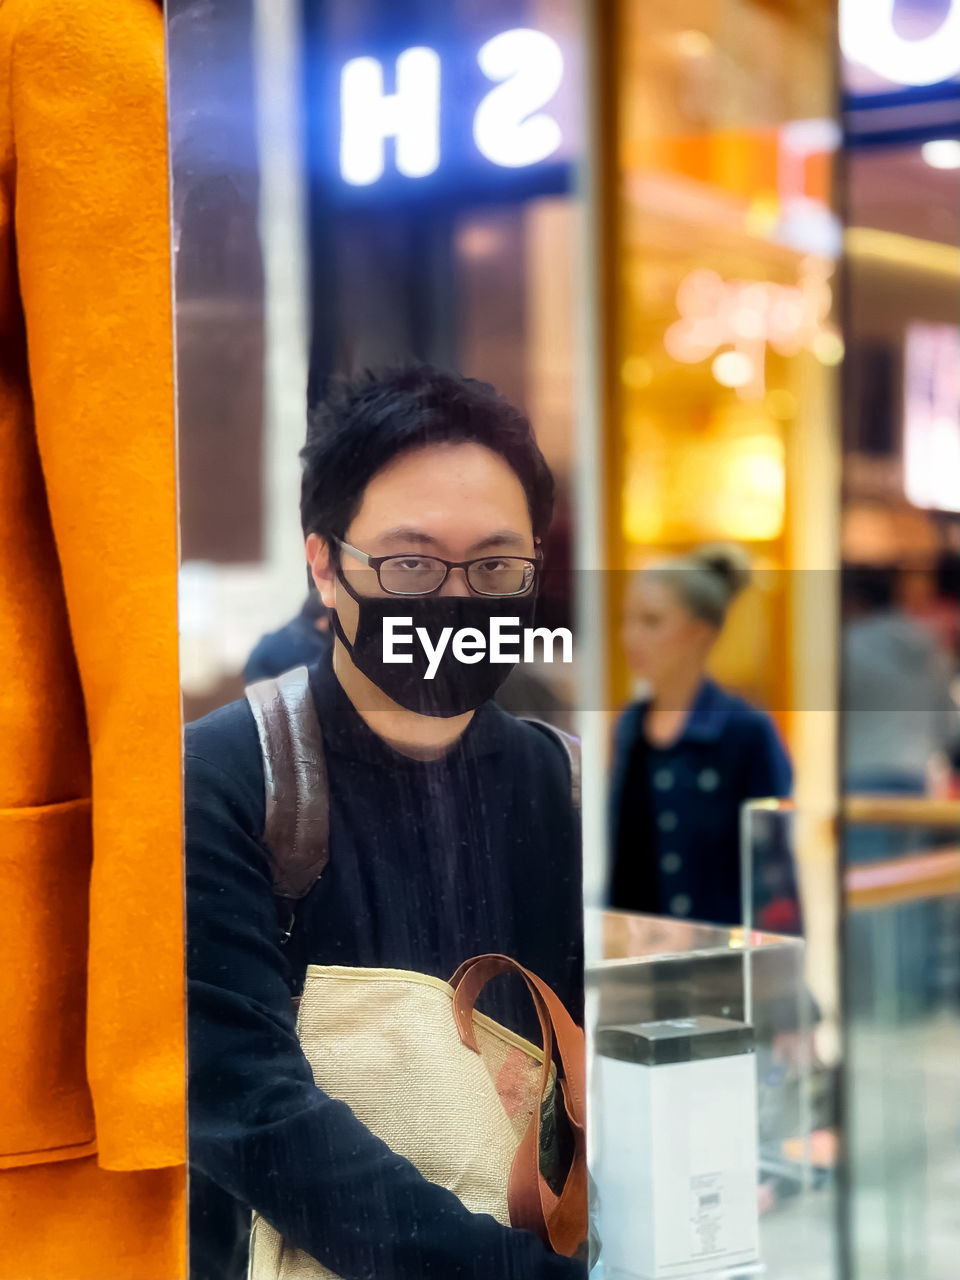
[(431, 862)]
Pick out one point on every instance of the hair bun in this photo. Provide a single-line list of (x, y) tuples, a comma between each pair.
[(727, 561)]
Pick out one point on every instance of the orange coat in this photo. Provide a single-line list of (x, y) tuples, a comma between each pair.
[(92, 1097)]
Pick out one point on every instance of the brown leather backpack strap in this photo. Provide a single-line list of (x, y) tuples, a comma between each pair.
[(561, 1221), (571, 746), (296, 832)]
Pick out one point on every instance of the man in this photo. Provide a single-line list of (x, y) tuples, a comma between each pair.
[(451, 833)]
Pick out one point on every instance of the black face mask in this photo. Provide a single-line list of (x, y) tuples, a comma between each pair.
[(456, 687)]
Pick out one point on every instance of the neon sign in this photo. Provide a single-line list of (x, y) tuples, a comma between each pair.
[(869, 36), (931, 419), (736, 321), (511, 126), (411, 116)]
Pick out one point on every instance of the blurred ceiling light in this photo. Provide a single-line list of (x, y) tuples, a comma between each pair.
[(898, 250), (733, 369), (828, 348), (693, 339), (869, 36), (942, 153), (636, 372), (749, 318), (694, 44), (931, 416), (805, 219), (700, 292)]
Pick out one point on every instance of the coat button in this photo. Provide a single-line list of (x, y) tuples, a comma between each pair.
[(680, 904), (708, 780), (671, 863), (667, 821), (663, 779)]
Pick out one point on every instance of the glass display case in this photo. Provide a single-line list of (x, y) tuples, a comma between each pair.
[(902, 1033), (702, 1074)]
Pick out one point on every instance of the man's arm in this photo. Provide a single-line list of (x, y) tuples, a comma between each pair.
[(261, 1129)]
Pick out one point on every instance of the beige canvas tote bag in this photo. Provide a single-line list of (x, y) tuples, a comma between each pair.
[(447, 1088), (440, 1083)]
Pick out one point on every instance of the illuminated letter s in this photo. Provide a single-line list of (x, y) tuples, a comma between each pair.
[(509, 127)]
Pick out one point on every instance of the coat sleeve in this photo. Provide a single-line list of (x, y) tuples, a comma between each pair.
[(768, 772), (259, 1126), (87, 91)]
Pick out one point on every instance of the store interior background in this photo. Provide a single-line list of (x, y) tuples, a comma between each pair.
[(726, 183)]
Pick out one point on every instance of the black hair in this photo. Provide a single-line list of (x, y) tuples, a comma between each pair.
[(363, 424)]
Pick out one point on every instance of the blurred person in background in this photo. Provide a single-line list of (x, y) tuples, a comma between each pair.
[(901, 729), (933, 599), (931, 595), (688, 755), (901, 716), (303, 640)]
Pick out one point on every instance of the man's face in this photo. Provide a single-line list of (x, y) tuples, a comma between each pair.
[(455, 501)]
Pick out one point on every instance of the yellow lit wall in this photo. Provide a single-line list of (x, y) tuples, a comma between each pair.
[(725, 341), (722, 360)]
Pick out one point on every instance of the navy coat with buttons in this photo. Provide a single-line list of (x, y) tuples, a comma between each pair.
[(675, 815)]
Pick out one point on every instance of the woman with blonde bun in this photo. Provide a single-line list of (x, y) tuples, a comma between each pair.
[(688, 755)]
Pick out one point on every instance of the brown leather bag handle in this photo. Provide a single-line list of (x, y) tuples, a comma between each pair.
[(560, 1221)]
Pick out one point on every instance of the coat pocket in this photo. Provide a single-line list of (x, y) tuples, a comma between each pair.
[(45, 1107)]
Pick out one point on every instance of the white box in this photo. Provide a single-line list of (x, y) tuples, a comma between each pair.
[(675, 1120)]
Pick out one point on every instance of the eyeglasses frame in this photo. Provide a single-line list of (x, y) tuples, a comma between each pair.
[(375, 563)]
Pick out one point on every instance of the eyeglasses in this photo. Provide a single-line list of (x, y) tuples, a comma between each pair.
[(416, 575)]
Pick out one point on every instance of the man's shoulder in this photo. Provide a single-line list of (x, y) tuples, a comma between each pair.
[(544, 749), (223, 766), (225, 741)]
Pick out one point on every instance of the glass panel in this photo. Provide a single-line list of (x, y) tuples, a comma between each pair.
[(361, 185), (776, 834), (903, 984), (900, 645), (722, 536), (724, 430), (702, 1096)]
